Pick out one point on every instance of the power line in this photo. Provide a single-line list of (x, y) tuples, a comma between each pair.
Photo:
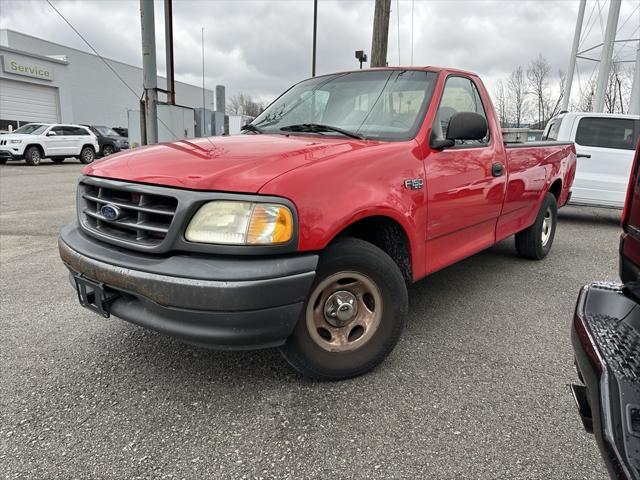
[(92, 49), (138, 97)]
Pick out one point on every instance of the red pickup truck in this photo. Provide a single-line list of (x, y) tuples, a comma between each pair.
[(304, 232)]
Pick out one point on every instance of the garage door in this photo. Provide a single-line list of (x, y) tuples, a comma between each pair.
[(28, 102)]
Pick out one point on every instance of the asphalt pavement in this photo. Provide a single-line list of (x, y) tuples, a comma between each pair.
[(476, 388)]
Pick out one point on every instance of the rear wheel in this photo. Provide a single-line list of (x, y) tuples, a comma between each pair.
[(87, 155), (32, 156), (535, 242), (354, 316)]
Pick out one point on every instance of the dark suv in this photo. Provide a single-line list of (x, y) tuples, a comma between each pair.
[(606, 341), (109, 140)]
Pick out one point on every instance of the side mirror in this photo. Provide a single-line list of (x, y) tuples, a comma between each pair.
[(467, 126), (51, 134)]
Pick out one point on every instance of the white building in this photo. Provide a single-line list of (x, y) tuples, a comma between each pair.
[(42, 81)]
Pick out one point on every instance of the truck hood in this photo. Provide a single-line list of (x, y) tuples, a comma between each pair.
[(242, 163)]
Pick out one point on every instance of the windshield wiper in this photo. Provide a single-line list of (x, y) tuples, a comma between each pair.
[(250, 128), (319, 128)]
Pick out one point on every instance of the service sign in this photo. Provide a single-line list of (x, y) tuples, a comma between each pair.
[(19, 66)]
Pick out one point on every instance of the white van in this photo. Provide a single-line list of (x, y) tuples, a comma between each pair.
[(605, 145)]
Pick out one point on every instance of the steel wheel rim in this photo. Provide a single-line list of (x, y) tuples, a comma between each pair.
[(344, 311), (35, 156), (547, 224), (107, 151), (87, 155)]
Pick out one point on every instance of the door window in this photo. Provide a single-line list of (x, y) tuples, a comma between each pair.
[(460, 95), (619, 133), (75, 131), (59, 131)]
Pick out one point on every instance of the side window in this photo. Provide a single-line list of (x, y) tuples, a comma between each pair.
[(460, 95), (59, 131), (619, 133), (554, 128)]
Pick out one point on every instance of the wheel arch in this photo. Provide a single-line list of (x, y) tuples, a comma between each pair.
[(38, 146), (386, 233), (556, 189)]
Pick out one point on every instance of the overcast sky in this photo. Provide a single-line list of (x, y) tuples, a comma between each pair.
[(261, 47)]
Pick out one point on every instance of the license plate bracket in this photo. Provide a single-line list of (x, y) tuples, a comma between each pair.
[(93, 295)]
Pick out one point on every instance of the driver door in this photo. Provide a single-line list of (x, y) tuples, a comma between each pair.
[(464, 186), (55, 141)]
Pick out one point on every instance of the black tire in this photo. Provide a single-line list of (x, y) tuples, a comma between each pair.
[(87, 155), (32, 156), (58, 159), (3, 161), (535, 242), (352, 258), (108, 150)]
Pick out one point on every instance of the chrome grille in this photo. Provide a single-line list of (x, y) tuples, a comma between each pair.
[(144, 218)]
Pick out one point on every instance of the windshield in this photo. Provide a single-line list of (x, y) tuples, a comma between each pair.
[(378, 104), (31, 129), (107, 131)]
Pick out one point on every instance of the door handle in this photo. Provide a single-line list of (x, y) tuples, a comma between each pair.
[(583, 155), (497, 169)]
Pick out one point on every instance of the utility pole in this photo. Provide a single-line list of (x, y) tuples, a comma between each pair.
[(574, 52), (607, 54), (168, 36), (634, 101), (380, 37), (315, 33), (149, 71)]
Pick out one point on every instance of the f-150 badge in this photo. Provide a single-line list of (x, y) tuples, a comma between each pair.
[(414, 183)]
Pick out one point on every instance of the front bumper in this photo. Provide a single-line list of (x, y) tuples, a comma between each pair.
[(9, 155), (217, 301), (606, 340)]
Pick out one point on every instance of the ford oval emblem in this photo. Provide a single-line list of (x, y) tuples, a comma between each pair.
[(110, 212)]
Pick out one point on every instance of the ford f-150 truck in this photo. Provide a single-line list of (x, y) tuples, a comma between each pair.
[(304, 232)]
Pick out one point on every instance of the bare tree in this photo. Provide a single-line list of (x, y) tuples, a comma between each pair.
[(538, 77), (243, 104), (554, 105), (501, 103), (517, 95)]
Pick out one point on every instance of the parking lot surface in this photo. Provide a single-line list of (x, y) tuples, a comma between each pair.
[(476, 388)]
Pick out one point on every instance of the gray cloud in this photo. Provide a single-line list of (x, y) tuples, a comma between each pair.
[(261, 47)]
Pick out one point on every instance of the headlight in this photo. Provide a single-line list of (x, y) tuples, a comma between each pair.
[(15, 141), (241, 223)]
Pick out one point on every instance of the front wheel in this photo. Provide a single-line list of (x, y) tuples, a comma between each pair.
[(354, 316), (107, 150), (535, 242), (87, 155), (32, 156)]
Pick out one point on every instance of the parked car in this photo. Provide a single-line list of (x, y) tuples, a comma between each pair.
[(35, 141), (109, 140), (304, 232), (606, 340), (604, 146)]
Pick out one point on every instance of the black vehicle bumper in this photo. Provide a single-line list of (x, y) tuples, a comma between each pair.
[(7, 155), (214, 301), (606, 340)]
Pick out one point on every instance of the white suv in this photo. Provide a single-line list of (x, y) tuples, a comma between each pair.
[(35, 141), (604, 147)]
